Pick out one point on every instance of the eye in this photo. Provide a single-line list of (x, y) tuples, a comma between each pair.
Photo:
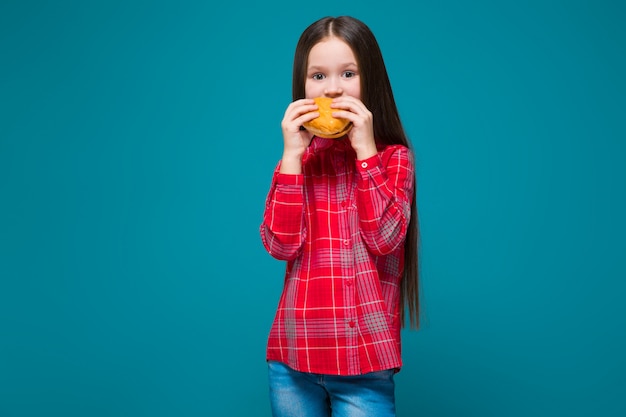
[(349, 74), (318, 76)]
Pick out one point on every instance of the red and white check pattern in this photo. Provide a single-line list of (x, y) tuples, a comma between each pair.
[(340, 226)]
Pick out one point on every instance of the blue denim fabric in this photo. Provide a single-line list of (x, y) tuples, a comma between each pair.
[(299, 394)]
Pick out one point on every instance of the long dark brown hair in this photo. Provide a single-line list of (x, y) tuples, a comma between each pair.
[(377, 95)]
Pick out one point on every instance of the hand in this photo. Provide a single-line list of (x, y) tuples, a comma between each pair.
[(296, 140), (361, 135)]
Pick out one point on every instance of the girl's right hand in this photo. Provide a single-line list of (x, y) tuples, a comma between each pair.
[(296, 140)]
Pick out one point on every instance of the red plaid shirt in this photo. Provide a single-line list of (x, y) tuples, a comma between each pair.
[(340, 225)]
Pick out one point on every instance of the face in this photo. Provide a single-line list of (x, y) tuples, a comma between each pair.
[(332, 70)]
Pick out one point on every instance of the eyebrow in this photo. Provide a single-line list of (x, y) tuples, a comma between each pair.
[(318, 68)]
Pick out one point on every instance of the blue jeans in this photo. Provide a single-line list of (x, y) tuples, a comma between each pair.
[(300, 394)]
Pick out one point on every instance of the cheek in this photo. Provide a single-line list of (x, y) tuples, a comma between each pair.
[(312, 91), (354, 91)]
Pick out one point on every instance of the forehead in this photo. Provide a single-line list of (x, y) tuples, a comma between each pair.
[(331, 50)]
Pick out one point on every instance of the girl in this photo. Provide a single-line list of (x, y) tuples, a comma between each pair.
[(342, 213)]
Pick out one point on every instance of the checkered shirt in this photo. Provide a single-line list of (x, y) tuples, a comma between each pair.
[(340, 226)]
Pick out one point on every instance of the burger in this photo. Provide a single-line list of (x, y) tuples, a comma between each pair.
[(327, 126)]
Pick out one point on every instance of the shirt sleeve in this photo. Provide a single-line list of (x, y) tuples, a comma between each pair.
[(385, 188), (283, 230)]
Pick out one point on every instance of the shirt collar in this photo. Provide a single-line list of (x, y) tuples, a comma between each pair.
[(319, 144)]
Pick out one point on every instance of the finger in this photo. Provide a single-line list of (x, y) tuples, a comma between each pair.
[(352, 108), (298, 105), (356, 118), (294, 117), (302, 109), (345, 114), (307, 117), (348, 102)]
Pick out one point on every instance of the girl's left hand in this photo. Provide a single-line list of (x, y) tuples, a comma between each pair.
[(362, 134)]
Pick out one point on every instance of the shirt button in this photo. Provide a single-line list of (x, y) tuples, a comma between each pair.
[(346, 242), (343, 204), (351, 324), (364, 164), (349, 282)]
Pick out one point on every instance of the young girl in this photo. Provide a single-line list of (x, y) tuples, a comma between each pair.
[(342, 213)]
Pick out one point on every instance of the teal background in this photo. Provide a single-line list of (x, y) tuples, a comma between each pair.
[(137, 140)]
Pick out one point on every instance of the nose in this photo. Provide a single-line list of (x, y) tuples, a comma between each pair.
[(333, 89)]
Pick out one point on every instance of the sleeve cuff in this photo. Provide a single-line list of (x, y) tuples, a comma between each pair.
[(289, 179), (369, 163)]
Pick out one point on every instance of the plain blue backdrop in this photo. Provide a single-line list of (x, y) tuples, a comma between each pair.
[(137, 141)]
